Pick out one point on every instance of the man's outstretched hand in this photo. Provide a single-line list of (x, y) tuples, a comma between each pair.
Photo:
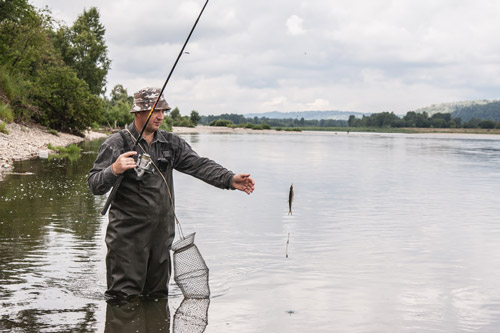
[(243, 182)]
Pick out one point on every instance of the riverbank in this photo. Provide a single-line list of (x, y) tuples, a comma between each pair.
[(26, 141)]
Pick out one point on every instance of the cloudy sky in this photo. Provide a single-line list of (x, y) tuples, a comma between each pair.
[(294, 55)]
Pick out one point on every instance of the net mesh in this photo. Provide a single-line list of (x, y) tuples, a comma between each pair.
[(190, 270), (191, 316)]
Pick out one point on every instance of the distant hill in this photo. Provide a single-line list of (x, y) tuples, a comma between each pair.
[(481, 109), (450, 107), (308, 115), (490, 111)]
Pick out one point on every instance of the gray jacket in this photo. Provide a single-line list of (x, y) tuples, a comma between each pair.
[(147, 198)]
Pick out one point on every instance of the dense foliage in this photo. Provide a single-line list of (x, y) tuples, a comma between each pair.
[(51, 75)]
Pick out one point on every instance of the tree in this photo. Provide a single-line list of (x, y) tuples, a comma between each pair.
[(487, 124), (422, 120), (24, 47), (120, 94), (23, 37), (410, 119), (195, 117), (83, 48), (352, 121), (175, 114), (117, 111), (67, 104)]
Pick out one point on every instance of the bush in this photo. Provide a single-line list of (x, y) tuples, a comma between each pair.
[(266, 126), (166, 124), (71, 149), (487, 124), (6, 113), (2, 128), (221, 122)]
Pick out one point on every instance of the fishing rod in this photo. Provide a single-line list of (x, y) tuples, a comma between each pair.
[(120, 177)]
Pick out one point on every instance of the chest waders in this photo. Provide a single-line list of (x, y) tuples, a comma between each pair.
[(190, 270)]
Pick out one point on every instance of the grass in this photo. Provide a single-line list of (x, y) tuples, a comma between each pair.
[(6, 113), (53, 132), (71, 149), (3, 128)]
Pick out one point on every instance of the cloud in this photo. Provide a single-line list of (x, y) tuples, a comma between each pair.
[(284, 55), (294, 25)]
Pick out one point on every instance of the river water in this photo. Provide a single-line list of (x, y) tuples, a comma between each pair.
[(389, 233)]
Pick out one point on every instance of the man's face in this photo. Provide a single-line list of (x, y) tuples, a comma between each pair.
[(155, 121)]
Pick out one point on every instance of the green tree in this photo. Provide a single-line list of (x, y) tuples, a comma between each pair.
[(24, 50), (120, 94), (194, 118), (117, 111), (83, 48), (487, 124), (67, 104), (175, 114), (23, 36), (352, 120), (422, 120), (410, 119)]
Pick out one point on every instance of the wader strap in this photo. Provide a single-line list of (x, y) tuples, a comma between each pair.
[(126, 146)]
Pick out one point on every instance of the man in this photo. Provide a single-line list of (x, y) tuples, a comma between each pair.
[(141, 217)]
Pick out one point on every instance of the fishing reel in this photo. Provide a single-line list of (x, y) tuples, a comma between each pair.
[(144, 164)]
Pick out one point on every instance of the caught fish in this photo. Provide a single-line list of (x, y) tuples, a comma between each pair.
[(290, 200)]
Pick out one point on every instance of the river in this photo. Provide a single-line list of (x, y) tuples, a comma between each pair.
[(389, 233)]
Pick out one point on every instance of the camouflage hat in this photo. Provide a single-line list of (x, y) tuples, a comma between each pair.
[(145, 98)]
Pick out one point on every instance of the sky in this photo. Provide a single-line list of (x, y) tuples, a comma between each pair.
[(292, 55)]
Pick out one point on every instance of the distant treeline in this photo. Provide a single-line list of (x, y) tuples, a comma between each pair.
[(378, 120), (240, 120), (419, 120)]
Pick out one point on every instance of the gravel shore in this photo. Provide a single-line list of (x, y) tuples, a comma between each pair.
[(25, 142)]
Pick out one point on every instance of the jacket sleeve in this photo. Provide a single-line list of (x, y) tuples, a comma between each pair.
[(101, 177), (187, 161)]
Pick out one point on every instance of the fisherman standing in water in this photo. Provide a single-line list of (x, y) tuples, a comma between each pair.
[(141, 225)]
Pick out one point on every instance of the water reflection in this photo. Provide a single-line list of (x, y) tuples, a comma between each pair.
[(191, 316), (50, 245), (140, 316), (154, 316)]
